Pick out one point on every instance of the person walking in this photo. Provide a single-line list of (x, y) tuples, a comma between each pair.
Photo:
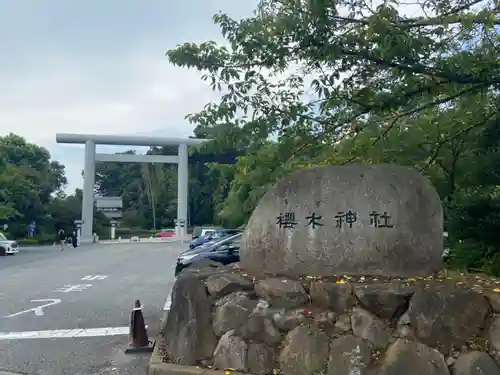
[(74, 239), (62, 238)]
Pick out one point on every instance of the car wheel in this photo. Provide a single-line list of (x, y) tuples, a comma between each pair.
[(3, 252)]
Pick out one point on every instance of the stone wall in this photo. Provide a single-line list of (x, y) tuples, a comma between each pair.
[(224, 318)]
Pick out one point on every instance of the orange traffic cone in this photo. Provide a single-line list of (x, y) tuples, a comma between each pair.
[(139, 341)]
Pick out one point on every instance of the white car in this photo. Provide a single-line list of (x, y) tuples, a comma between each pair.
[(7, 247)]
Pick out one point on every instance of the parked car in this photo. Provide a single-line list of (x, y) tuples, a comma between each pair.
[(212, 236), (166, 233), (7, 247), (225, 251), (203, 231)]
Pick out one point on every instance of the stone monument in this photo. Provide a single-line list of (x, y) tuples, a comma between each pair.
[(358, 219), (313, 293)]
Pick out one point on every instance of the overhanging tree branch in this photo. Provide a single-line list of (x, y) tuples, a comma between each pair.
[(400, 116)]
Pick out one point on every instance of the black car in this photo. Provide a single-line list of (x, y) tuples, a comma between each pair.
[(225, 251), (213, 236)]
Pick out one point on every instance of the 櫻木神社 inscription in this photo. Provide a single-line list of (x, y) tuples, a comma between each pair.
[(346, 219), (288, 220)]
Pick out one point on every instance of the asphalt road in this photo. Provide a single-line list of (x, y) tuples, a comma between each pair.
[(96, 286)]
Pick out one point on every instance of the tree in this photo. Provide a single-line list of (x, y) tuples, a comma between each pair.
[(365, 66), (65, 209), (28, 178), (144, 189), (307, 83), (147, 187)]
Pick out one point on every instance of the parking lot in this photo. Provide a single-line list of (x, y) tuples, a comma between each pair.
[(68, 312)]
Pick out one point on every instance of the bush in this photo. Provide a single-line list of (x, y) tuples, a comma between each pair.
[(492, 266), (475, 218), (472, 224), (46, 239), (28, 241), (474, 256), (41, 239)]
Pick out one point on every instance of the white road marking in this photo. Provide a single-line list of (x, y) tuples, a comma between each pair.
[(94, 277), (65, 333), (37, 310), (73, 288)]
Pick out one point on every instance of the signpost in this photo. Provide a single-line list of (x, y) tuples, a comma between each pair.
[(114, 224), (78, 224), (111, 207), (182, 224)]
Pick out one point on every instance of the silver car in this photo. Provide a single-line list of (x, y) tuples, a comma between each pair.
[(7, 247)]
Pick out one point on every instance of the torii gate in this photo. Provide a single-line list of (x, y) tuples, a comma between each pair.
[(91, 140)]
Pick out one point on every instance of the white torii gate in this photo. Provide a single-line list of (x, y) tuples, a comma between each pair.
[(91, 140)]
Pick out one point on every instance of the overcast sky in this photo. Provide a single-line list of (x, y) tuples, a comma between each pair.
[(98, 66)]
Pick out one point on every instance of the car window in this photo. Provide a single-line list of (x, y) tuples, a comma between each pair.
[(204, 231), (219, 234), (232, 242), (225, 240)]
